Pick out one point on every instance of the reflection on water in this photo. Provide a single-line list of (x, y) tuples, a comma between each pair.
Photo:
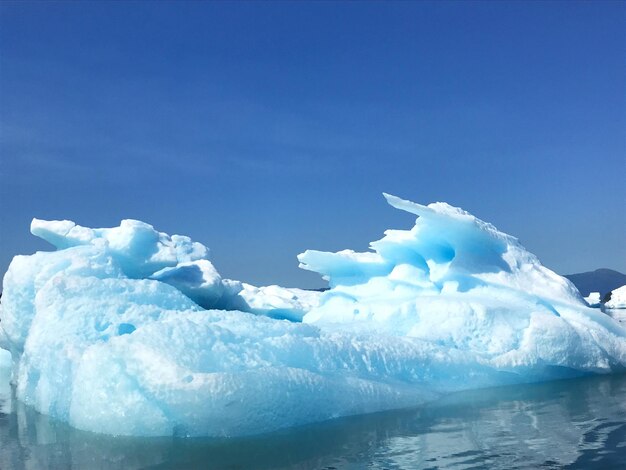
[(577, 423)]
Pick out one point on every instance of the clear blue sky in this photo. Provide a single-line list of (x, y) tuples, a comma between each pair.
[(264, 129)]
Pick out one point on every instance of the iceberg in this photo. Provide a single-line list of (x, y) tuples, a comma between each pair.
[(616, 298), (594, 299), (130, 331)]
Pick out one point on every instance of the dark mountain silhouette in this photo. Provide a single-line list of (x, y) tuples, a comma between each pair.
[(600, 280)]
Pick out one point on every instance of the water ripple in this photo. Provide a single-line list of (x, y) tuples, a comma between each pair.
[(573, 424)]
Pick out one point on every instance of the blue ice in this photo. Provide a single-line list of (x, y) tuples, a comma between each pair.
[(130, 331)]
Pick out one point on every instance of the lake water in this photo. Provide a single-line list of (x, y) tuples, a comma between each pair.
[(578, 423)]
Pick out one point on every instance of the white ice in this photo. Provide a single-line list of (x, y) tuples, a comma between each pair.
[(618, 298), (279, 302), (594, 299), (130, 331)]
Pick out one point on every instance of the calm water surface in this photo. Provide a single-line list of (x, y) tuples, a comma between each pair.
[(577, 423)]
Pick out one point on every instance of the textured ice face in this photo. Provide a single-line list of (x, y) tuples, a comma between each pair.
[(29, 274), (136, 246), (118, 331), (74, 313), (456, 281), (449, 265)]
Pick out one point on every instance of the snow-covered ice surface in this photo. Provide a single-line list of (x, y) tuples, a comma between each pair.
[(130, 331), (618, 298)]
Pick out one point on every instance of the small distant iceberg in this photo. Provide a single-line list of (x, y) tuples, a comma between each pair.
[(616, 299), (130, 331), (594, 299)]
